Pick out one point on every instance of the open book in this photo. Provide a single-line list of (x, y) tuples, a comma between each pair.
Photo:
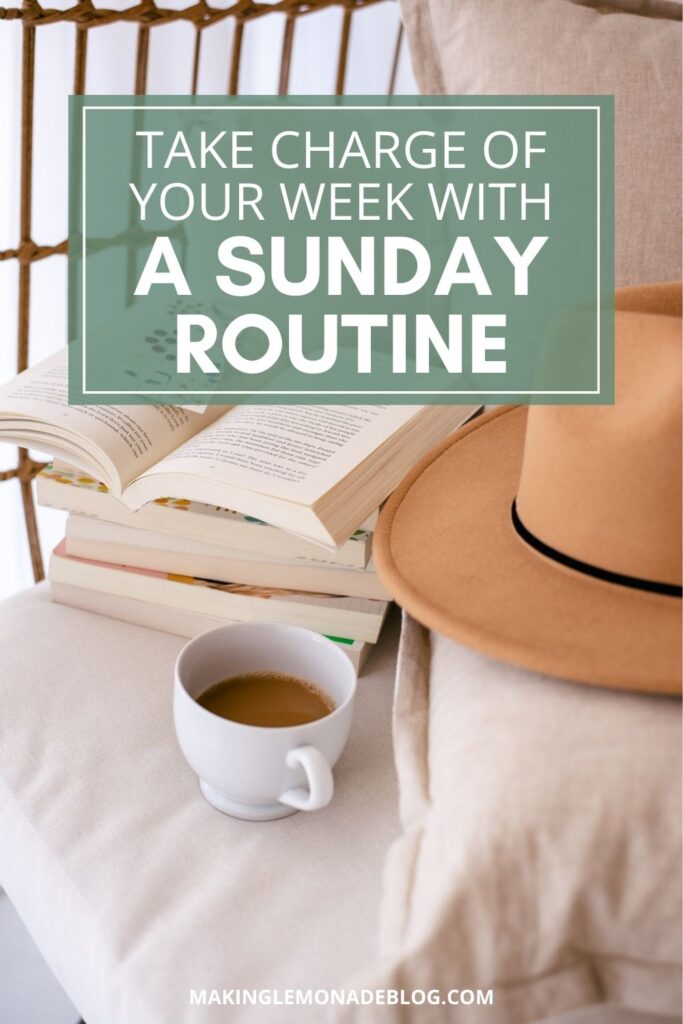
[(315, 470), (180, 519)]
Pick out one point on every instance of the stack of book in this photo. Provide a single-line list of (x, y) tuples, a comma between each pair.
[(184, 567), (315, 474)]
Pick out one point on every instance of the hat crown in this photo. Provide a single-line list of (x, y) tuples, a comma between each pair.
[(602, 484)]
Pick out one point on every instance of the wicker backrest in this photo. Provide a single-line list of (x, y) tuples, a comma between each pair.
[(146, 16)]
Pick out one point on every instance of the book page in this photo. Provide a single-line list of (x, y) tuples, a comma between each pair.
[(119, 441), (293, 452)]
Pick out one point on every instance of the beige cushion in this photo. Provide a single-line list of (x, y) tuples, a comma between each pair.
[(556, 46), (136, 890), (541, 849)]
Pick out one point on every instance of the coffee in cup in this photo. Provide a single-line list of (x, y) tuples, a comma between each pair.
[(262, 713)]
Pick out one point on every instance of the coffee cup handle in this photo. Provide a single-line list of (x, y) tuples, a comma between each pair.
[(319, 775)]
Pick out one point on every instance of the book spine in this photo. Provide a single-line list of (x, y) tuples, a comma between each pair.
[(207, 600), (332, 580), (182, 623), (224, 531)]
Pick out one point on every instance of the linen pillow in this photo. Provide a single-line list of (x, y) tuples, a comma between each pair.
[(541, 847), (628, 48)]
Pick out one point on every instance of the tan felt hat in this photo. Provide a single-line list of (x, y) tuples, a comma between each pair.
[(551, 536)]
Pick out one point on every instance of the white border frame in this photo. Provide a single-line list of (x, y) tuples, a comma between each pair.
[(346, 106)]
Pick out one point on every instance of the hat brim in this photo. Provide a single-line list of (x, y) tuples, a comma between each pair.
[(446, 549)]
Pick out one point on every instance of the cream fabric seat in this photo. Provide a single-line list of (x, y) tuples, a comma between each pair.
[(134, 889)]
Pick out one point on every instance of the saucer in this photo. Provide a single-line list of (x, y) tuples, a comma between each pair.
[(248, 812)]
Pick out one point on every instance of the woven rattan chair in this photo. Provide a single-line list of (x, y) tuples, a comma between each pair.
[(147, 17), (144, 18)]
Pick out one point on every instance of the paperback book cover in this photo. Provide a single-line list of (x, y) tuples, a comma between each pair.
[(357, 618)]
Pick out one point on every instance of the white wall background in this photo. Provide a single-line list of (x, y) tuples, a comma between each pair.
[(111, 58)]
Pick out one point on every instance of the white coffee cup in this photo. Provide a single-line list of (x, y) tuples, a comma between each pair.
[(255, 772)]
